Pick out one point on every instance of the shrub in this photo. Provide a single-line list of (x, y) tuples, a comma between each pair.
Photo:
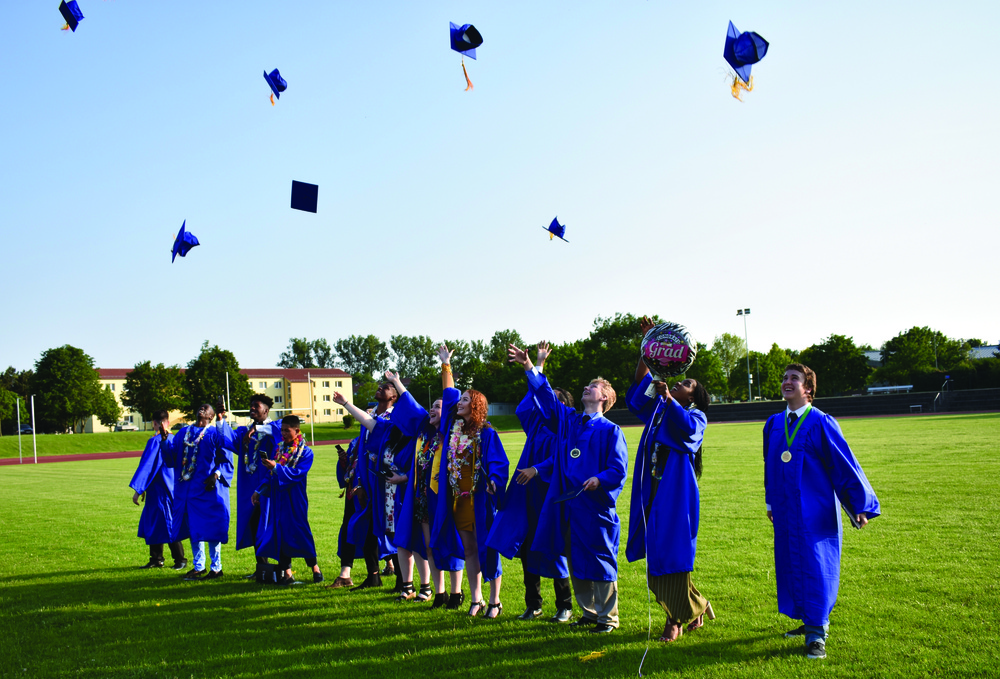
[(348, 421)]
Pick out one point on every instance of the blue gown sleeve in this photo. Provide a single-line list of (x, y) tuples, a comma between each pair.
[(548, 406), (639, 404), (287, 476), (849, 480), (408, 415), (525, 412), (495, 457), (224, 446), (545, 469), (686, 428), (449, 399), (170, 449), (149, 465), (613, 477)]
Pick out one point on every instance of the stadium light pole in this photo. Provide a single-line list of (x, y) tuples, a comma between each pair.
[(744, 313)]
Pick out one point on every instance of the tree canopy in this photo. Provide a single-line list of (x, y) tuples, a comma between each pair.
[(66, 387), (363, 356), (149, 388), (205, 380), (843, 366)]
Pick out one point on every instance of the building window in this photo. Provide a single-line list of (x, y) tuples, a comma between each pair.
[(326, 397), (314, 398), (112, 386), (129, 419), (326, 411), (340, 411), (326, 383), (339, 383), (277, 399), (277, 385), (262, 385)]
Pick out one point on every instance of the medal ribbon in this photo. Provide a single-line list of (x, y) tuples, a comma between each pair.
[(790, 439)]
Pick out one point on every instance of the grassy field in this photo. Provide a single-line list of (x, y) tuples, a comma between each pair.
[(919, 593), (120, 441)]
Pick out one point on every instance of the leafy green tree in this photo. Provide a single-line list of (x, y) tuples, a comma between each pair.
[(466, 361), (106, 408), (917, 350), (427, 382), (363, 356), (365, 388), (777, 360), (707, 369), (7, 407), (66, 386), (732, 352), (611, 351), (494, 377), (299, 354), (413, 354), (565, 368), (205, 379), (17, 381), (840, 366), (149, 388), (323, 354)]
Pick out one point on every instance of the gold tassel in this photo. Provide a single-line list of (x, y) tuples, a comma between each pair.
[(469, 82), (272, 99), (65, 28), (551, 235), (740, 85)]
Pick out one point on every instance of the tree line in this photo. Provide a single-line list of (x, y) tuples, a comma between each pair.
[(67, 390)]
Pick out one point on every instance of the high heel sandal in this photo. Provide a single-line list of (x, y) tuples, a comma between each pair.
[(455, 600), (700, 620), (672, 631), (406, 593), (479, 606), (499, 609), (439, 600), (425, 593)]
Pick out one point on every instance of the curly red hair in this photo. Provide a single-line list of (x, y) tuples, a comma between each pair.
[(478, 409)]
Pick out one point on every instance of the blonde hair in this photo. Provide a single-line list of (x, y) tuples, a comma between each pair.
[(608, 391)]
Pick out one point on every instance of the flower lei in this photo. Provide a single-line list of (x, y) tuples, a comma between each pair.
[(463, 450), (191, 448), (425, 456), (290, 453), (251, 467)]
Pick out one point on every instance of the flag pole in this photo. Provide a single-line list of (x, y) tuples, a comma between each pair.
[(34, 430), (312, 411), (20, 457)]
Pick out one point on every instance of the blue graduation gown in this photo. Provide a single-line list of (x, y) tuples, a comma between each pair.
[(284, 511), (370, 448), (269, 436), (202, 515), (514, 528), (803, 495), (495, 467), (411, 418), (156, 480), (595, 530), (669, 536)]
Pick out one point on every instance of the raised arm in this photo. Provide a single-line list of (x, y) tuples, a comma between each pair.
[(366, 420), (645, 325), (447, 379), (542, 352), (394, 380)]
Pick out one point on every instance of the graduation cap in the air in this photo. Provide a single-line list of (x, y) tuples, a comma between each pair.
[(742, 51), (556, 229), (276, 83), (304, 196), (464, 40), (183, 243), (71, 13)]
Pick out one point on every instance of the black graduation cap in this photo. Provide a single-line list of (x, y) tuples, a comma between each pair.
[(304, 196), (71, 13), (569, 495)]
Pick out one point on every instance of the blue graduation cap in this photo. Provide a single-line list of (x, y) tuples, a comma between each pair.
[(556, 229), (465, 39), (276, 83), (183, 243), (743, 50), (71, 13), (304, 196)]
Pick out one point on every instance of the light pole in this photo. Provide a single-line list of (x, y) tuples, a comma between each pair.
[(744, 313)]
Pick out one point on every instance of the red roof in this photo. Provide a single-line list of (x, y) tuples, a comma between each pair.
[(290, 374)]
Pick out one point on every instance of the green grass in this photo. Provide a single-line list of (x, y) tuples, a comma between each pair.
[(918, 596)]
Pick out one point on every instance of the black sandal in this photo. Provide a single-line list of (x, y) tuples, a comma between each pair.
[(425, 594), (439, 600), (455, 600), (498, 606), (480, 604), (406, 593)]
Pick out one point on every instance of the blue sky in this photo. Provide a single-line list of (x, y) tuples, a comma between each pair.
[(853, 191)]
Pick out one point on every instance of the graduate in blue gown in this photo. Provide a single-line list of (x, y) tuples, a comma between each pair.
[(665, 507), (201, 456), (590, 462), (154, 483), (257, 441), (372, 524), (809, 471), (347, 469), (283, 499), (471, 483), (514, 528), (413, 528)]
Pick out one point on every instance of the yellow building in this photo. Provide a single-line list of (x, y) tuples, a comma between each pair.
[(307, 393)]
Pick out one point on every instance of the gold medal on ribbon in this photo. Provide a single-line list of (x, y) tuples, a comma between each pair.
[(575, 453), (786, 456)]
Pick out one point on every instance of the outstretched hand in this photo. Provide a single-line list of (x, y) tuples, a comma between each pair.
[(543, 352), (444, 354), (395, 381), (525, 475), (645, 325), (516, 355), (339, 399)]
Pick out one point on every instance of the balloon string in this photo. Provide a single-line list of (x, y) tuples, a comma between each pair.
[(469, 82), (740, 85)]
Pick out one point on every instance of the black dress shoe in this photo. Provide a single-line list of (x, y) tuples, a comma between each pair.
[(318, 577), (562, 615), (213, 575), (194, 574), (530, 614), (180, 565), (153, 563), (373, 580), (455, 600), (583, 622), (602, 629)]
